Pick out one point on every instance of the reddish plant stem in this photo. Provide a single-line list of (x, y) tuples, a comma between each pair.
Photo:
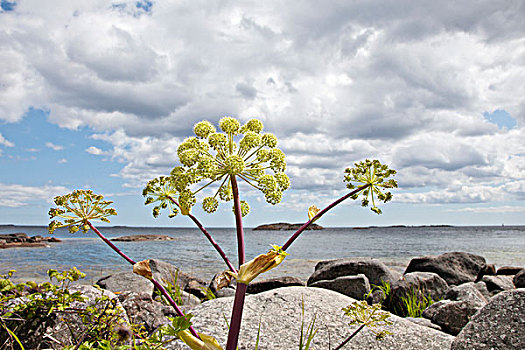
[(209, 237), (235, 323), (238, 220), (172, 303), (350, 337), (321, 213), (240, 292), (155, 282), (108, 242)]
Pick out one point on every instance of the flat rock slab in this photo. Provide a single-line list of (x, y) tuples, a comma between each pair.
[(22, 240), (279, 314), (498, 325)]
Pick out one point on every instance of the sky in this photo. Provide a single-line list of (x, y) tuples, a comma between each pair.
[(99, 94)]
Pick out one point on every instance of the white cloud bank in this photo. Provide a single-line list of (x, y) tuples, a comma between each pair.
[(406, 82), (15, 196)]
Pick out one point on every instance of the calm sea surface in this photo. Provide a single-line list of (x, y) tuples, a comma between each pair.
[(193, 254)]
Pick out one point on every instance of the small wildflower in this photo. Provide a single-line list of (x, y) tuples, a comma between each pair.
[(77, 208), (370, 316), (211, 156), (376, 176)]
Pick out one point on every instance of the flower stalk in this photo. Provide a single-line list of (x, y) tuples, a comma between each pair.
[(238, 220), (236, 318), (209, 237), (321, 213)]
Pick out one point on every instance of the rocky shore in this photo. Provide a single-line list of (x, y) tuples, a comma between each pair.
[(20, 240), (474, 304)]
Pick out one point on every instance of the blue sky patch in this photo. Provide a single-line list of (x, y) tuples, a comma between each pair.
[(43, 153), (145, 5), (7, 5), (501, 118)]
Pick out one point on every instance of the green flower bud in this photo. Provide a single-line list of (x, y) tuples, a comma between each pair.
[(254, 125), (189, 143), (269, 140), (267, 183), (234, 165), (189, 157), (263, 155), (186, 201), (274, 197), (217, 141), (277, 162), (250, 140), (174, 212), (210, 204), (226, 193), (229, 125), (283, 180), (203, 129), (245, 208)]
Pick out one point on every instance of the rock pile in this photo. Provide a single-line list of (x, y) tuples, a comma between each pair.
[(484, 311), (459, 285)]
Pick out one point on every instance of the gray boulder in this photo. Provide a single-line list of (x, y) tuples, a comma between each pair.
[(468, 292), (423, 322), (422, 285), (498, 325), (166, 272), (496, 284), (162, 271), (451, 316), (509, 270), (126, 281), (455, 268), (519, 279), (353, 286), (373, 269), (273, 283), (278, 312), (142, 309)]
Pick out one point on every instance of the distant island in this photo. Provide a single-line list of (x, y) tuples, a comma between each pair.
[(282, 226)]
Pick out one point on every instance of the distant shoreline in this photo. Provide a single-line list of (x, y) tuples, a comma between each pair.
[(221, 227)]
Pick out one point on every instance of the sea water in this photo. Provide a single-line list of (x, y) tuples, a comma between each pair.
[(190, 250)]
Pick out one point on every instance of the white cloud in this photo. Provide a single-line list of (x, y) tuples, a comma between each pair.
[(95, 151), (403, 82), (502, 209), (5, 142), (54, 147), (16, 195)]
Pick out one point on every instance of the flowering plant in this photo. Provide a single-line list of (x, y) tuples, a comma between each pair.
[(235, 153)]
